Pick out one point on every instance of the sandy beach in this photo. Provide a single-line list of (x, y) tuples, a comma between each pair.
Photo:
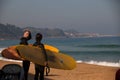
[(81, 72)]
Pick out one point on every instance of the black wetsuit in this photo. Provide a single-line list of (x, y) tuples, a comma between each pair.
[(39, 69), (25, 63)]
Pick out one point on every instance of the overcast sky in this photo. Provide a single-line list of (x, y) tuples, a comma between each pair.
[(86, 16)]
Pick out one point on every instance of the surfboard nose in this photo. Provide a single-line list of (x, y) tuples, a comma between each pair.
[(10, 53)]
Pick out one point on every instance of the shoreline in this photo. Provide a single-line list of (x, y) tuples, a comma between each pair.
[(99, 63), (83, 71)]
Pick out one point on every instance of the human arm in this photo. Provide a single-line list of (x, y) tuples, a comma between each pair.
[(45, 55)]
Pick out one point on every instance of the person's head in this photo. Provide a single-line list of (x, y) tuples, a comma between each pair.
[(38, 37), (27, 34)]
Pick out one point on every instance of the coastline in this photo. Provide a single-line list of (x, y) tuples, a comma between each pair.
[(83, 71)]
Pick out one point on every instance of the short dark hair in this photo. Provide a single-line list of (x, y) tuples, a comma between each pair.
[(38, 37)]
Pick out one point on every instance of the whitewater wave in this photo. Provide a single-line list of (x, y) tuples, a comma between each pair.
[(5, 59), (1, 49), (101, 63)]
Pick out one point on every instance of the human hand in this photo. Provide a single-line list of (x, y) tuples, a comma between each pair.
[(46, 63)]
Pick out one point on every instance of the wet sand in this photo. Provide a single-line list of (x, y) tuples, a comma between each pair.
[(81, 72)]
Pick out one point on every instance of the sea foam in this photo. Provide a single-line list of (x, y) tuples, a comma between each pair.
[(101, 63)]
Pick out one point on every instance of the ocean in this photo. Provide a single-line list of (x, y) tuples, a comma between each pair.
[(103, 51)]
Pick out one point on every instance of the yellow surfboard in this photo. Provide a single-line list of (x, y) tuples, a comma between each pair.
[(55, 59), (52, 48), (49, 47), (11, 53)]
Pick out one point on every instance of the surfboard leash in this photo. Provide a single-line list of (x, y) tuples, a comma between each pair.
[(47, 70)]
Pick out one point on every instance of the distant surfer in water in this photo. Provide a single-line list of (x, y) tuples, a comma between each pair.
[(39, 69), (24, 41)]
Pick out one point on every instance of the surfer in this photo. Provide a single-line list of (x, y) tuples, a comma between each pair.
[(24, 41), (39, 69)]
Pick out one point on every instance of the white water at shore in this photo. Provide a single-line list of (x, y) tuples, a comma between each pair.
[(111, 64), (101, 63), (102, 51)]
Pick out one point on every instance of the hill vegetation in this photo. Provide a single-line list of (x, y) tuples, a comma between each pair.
[(9, 31)]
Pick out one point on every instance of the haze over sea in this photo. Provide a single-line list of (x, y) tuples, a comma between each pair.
[(93, 50)]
